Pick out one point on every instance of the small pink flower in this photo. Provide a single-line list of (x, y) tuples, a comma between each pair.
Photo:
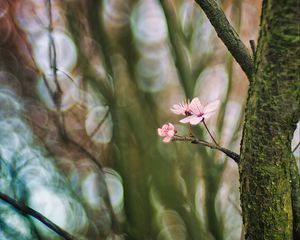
[(182, 108), (167, 131), (200, 112)]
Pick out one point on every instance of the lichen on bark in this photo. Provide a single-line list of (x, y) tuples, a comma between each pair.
[(271, 116)]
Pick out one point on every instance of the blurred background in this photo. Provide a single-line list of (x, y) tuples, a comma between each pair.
[(84, 85)]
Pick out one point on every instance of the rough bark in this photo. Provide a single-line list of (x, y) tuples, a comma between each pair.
[(271, 116)]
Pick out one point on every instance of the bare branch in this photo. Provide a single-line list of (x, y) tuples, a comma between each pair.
[(228, 35), (234, 156), (29, 211), (295, 148), (99, 125)]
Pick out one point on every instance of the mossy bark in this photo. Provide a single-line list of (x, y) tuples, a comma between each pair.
[(271, 116)]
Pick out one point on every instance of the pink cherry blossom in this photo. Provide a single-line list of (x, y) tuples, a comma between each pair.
[(167, 131), (200, 112), (182, 108)]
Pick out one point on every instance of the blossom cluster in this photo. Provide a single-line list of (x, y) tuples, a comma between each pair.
[(194, 113)]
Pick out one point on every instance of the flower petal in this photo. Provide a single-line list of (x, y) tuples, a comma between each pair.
[(208, 115), (196, 120), (211, 107), (160, 132), (171, 126), (167, 139), (165, 127), (187, 119), (177, 109), (196, 106), (171, 133)]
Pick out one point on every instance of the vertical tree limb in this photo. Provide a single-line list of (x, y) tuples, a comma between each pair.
[(268, 174)]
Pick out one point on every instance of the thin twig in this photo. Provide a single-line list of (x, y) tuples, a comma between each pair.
[(295, 148), (210, 133), (66, 74), (190, 131), (52, 51), (234, 156), (228, 35), (99, 124), (29, 211)]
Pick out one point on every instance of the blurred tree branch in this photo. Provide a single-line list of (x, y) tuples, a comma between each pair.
[(180, 57), (228, 35), (57, 95), (25, 210)]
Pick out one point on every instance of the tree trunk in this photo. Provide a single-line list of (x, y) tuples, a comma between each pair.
[(272, 113)]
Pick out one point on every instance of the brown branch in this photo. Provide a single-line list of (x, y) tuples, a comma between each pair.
[(228, 35), (23, 209), (99, 125), (234, 156), (295, 148), (210, 133)]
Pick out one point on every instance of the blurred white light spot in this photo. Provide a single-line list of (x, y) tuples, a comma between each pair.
[(189, 16), (14, 136), (15, 221), (232, 113), (32, 16), (50, 205), (115, 188), (199, 200), (77, 216), (8, 103), (148, 23), (9, 144), (99, 125), (16, 125), (66, 53), (150, 74), (212, 84), (68, 87), (173, 226), (116, 13), (85, 99), (91, 190), (36, 175)]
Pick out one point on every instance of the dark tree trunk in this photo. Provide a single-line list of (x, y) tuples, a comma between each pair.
[(270, 201)]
